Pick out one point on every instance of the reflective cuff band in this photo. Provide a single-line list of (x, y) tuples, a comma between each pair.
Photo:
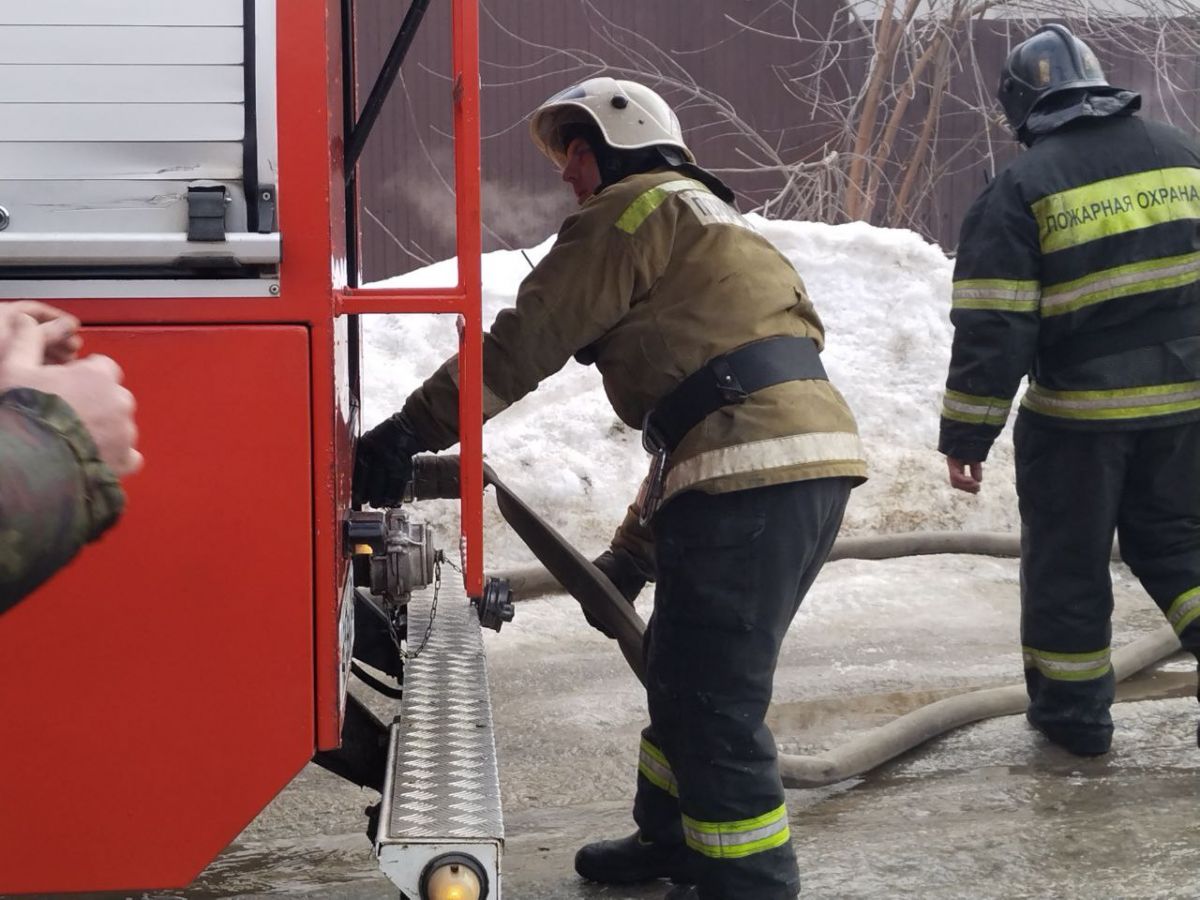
[(1122, 403), (997, 294), (1184, 610), (1123, 281), (975, 410), (493, 403), (653, 766), (735, 840), (1069, 666)]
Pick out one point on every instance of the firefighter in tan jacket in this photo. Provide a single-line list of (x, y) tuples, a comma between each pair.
[(706, 341)]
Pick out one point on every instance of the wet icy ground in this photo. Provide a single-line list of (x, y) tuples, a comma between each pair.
[(991, 811)]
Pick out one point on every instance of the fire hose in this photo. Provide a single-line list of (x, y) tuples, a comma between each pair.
[(566, 568)]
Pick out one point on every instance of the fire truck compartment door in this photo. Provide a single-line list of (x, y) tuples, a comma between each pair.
[(159, 690)]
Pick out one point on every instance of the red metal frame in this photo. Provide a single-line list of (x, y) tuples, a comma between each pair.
[(131, 839), (465, 298)]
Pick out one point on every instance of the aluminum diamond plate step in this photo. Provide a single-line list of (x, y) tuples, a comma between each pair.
[(443, 788)]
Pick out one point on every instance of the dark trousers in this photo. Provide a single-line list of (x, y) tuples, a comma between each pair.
[(732, 570), (1075, 488)]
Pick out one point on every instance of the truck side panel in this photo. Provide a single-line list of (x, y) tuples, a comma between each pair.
[(157, 693)]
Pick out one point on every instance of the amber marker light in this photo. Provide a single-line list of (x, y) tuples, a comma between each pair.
[(453, 881)]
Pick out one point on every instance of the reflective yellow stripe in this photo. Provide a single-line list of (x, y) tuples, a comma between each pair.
[(1069, 666), (1122, 403), (1122, 281), (997, 294), (1184, 610), (974, 410), (637, 211), (735, 840), (653, 765), (1117, 206)]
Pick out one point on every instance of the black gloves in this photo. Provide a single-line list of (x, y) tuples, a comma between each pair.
[(383, 462), (624, 571), (628, 575)]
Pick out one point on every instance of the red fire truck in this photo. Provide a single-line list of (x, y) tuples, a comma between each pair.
[(180, 175)]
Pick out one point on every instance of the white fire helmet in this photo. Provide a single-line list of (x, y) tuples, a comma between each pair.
[(629, 115)]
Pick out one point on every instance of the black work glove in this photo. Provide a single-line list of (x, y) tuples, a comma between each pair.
[(383, 462), (627, 574)]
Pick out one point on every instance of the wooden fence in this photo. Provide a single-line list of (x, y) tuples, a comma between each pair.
[(745, 51)]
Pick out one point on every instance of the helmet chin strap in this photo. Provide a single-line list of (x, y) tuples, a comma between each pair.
[(618, 164), (615, 164)]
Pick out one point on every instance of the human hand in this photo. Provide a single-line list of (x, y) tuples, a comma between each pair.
[(383, 462), (90, 386), (965, 476), (621, 568), (60, 330)]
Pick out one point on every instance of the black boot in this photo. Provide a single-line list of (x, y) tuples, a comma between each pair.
[(630, 859), (1094, 742)]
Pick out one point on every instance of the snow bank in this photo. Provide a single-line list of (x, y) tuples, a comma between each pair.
[(884, 296)]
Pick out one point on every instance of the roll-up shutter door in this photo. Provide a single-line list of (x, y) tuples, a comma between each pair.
[(137, 139)]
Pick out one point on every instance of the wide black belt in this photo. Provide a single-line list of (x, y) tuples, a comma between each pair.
[(1157, 327), (727, 380)]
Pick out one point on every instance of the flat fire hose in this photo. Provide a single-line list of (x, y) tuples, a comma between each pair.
[(437, 477)]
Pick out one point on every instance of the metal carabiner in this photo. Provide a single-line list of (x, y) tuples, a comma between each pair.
[(650, 496)]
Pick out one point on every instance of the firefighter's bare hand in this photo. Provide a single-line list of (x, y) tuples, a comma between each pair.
[(90, 386), (59, 330), (965, 476)]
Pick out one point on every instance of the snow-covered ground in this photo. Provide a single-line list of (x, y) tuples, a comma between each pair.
[(884, 296)]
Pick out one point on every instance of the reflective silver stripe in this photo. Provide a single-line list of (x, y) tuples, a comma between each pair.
[(997, 294), (1122, 403), (975, 410), (1069, 666), (1184, 610), (735, 840), (654, 766), (757, 456), (1122, 281)]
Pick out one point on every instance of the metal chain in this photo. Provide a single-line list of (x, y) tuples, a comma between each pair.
[(437, 587)]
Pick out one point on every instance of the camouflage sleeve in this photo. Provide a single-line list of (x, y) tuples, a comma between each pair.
[(55, 493)]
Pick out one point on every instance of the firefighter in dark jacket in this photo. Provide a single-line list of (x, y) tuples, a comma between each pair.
[(1079, 265), (706, 340)]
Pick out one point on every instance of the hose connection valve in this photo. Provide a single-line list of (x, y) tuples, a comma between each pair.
[(393, 554)]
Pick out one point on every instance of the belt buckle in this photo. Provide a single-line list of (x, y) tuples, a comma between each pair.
[(728, 386)]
